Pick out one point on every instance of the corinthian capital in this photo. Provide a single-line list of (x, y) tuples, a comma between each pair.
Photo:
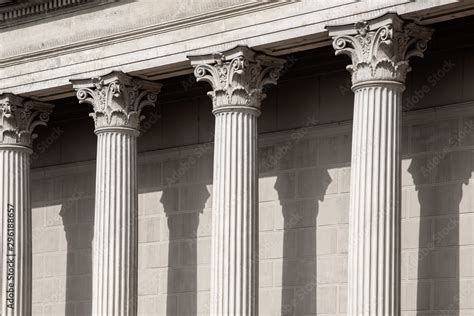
[(19, 117), (237, 76), (117, 99), (380, 48)]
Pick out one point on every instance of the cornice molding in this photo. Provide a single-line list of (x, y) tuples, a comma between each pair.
[(130, 32), (45, 73), (13, 13)]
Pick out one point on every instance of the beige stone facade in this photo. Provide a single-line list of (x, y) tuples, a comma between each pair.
[(302, 224)]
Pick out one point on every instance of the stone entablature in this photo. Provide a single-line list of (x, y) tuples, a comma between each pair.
[(148, 46), (15, 12)]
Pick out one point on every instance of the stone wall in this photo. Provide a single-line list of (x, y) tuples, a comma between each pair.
[(304, 198)]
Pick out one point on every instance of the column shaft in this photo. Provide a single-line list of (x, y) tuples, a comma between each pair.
[(15, 231), (115, 234), (234, 276), (374, 229), (237, 77), (118, 100), (380, 50)]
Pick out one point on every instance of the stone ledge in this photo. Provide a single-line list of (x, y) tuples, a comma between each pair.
[(17, 12)]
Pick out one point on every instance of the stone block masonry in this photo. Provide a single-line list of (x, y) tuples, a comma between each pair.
[(303, 230)]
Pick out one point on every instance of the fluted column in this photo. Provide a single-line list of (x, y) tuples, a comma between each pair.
[(118, 100), (237, 77), (380, 50), (18, 118)]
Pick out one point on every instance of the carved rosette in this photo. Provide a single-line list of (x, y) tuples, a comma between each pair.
[(117, 99), (19, 117), (380, 49), (237, 77)]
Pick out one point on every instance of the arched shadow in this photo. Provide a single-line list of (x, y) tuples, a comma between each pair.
[(439, 181), (299, 267), (182, 207), (77, 215)]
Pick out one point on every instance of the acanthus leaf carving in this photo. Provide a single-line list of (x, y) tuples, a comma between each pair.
[(117, 99), (19, 117), (380, 49), (237, 76)]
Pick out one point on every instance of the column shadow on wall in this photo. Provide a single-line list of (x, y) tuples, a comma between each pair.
[(182, 251), (438, 254), (299, 267), (79, 235)]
